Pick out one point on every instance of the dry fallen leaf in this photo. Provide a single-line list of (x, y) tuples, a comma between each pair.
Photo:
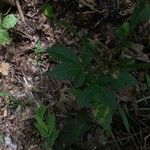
[(4, 68)]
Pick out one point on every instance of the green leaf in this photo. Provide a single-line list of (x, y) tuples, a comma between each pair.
[(40, 111), (79, 79), (124, 118), (107, 98), (38, 47), (75, 92), (148, 81), (4, 94), (42, 124), (63, 54), (139, 12), (4, 37), (104, 80), (51, 123), (104, 117), (123, 31), (87, 95), (75, 129), (144, 14), (53, 136), (124, 79), (48, 11), (126, 28), (87, 54), (65, 71), (1, 139), (9, 21), (41, 130)]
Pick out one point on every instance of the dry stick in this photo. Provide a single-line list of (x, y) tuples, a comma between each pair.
[(20, 10)]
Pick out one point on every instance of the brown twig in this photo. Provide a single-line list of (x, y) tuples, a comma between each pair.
[(20, 10)]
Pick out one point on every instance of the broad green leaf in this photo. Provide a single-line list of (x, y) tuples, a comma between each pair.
[(148, 81), (79, 79), (48, 11), (118, 84), (75, 129), (127, 78), (87, 95), (104, 80), (144, 14), (124, 79), (124, 118), (9, 21), (4, 37), (107, 98), (63, 54), (65, 71), (87, 54)]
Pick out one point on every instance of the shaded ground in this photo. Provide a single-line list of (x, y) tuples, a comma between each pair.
[(29, 85)]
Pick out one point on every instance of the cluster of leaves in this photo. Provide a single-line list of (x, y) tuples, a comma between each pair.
[(6, 23), (92, 86), (46, 126), (73, 131), (141, 13), (38, 51)]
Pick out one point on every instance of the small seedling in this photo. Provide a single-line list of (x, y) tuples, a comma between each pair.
[(46, 125), (6, 23), (48, 11), (38, 51)]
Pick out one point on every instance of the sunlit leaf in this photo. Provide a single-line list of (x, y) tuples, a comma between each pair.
[(4, 37), (9, 21), (48, 11), (104, 117)]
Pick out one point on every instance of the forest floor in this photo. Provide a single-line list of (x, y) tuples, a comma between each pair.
[(29, 85)]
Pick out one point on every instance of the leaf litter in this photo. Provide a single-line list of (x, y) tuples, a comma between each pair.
[(29, 85)]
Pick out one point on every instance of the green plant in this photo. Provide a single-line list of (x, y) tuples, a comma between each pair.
[(6, 23), (1, 139), (92, 86), (74, 130), (48, 11), (38, 51), (46, 125), (140, 13), (2, 94)]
